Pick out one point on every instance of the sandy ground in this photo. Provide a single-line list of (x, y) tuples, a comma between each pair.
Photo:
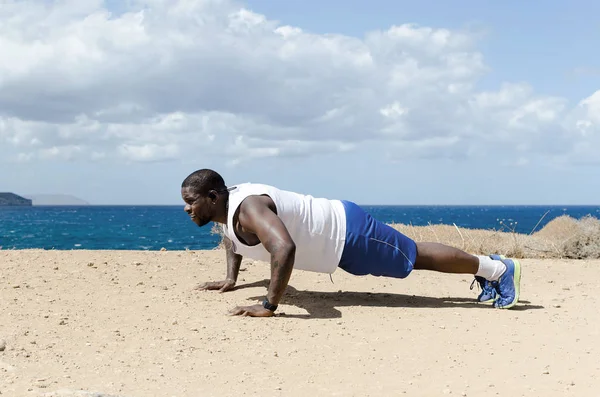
[(130, 324)]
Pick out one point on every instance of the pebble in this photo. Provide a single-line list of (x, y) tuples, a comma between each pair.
[(2, 345)]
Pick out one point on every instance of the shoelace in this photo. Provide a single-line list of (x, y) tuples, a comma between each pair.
[(473, 282)]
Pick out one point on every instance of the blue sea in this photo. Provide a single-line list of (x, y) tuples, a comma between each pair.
[(155, 227)]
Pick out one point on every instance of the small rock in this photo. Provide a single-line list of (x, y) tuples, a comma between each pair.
[(137, 263), (546, 372), (16, 286), (163, 249), (2, 345), (557, 306)]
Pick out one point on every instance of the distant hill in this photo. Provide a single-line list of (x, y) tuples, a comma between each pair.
[(13, 200), (56, 199)]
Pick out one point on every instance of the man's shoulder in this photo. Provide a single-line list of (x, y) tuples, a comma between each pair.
[(252, 188), (249, 185)]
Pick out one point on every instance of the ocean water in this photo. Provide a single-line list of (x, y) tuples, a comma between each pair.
[(155, 227)]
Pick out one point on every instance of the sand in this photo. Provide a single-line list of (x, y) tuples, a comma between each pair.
[(129, 324)]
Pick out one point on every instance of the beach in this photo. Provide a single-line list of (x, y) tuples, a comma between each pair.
[(130, 324)]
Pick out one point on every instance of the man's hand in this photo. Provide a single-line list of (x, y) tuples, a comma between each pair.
[(252, 311), (222, 286)]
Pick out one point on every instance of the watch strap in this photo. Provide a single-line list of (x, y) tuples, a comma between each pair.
[(268, 305)]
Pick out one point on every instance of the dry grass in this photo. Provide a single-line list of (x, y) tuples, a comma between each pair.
[(563, 237)]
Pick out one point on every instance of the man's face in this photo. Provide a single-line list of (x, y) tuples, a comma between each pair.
[(200, 209)]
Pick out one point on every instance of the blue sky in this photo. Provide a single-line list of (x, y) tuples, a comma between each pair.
[(550, 46), (463, 102)]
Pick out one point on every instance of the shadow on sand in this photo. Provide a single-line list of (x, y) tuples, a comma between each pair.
[(323, 304)]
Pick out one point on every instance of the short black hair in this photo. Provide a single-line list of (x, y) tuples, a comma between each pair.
[(203, 181)]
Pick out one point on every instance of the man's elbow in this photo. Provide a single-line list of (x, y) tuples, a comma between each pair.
[(290, 248), (287, 249)]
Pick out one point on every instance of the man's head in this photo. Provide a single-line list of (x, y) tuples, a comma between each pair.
[(205, 196)]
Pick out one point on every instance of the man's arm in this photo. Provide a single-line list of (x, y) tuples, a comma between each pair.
[(233, 261), (257, 216), (233, 269)]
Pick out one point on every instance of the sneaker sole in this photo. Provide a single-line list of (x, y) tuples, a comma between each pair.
[(517, 282)]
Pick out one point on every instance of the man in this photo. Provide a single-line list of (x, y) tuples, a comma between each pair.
[(296, 231)]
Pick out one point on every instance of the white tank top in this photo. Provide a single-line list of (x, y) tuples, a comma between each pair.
[(317, 226)]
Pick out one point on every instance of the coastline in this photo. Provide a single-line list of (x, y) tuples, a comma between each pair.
[(128, 323)]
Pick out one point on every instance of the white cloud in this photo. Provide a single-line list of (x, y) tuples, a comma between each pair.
[(169, 79), (149, 152)]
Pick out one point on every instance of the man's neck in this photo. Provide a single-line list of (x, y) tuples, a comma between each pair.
[(223, 217)]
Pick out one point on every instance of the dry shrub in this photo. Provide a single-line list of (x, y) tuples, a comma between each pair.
[(563, 237), (585, 242), (560, 228)]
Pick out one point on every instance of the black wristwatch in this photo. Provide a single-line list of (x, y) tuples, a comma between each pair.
[(269, 306)]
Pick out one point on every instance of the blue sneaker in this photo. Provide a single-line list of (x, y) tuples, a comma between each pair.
[(508, 285), (488, 292)]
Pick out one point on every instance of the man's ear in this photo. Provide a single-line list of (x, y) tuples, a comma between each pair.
[(212, 194)]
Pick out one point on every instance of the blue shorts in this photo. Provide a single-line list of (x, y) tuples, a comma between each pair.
[(374, 248)]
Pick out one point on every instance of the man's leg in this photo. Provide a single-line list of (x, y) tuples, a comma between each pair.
[(442, 258), (503, 275)]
